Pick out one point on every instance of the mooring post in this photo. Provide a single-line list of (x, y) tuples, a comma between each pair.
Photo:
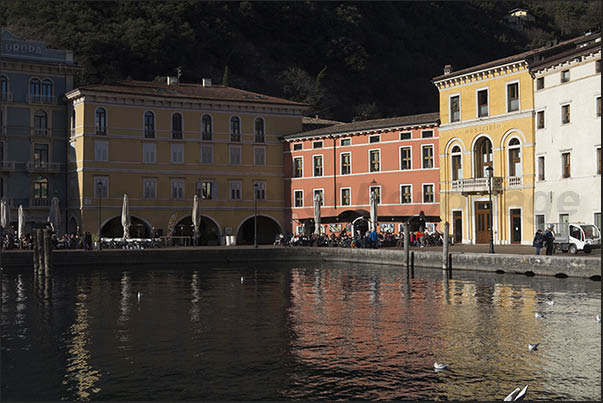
[(40, 246), (412, 264), (445, 246), (35, 250), (47, 251), (406, 242)]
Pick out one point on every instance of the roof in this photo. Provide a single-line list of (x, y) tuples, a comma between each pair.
[(185, 91), (318, 121), (403, 121), (587, 48)]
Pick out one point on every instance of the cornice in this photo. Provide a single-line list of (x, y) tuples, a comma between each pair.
[(367, 132), (499, 70)]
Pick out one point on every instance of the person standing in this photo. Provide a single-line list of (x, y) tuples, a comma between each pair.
[(538, 241), (549, 239)]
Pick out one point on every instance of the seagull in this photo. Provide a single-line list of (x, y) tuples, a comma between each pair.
[(440, 367), (538, 315), (598, 319), (517, 394), (533, 347), (550, 302), (139, 295)]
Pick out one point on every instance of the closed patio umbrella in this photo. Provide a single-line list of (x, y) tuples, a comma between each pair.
[(125, 217), (21, 223), (317, 202), (54, 215), (195, 214), (373, 211), (4, 214)]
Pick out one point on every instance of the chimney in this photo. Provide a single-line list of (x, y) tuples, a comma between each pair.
[(207, 82), (172, 80), (448, 69)]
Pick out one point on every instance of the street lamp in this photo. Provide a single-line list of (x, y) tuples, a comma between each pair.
[(490, 171), (255, 214), (99, 191)]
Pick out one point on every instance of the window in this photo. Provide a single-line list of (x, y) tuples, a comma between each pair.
[(428, 193), (346, 163), (541, 168), (234, 155), (540, 120), (40, 123), (149, 152), (34, 87), (4, 87), (235, 129), (598, 220), (235, 190), (100, 121), (177, 126), (540, 83), (377, 190), (317, 144), (317, 165), (346, 197), (298, 146), (406, 194), (457, 165), (539, 222), (73, 122), (149, 187), (149, 124), (101, 187), (177, 189), (41, 188), (482, 103), (260, 190), (405, 158), (483, 157), (298, 196), (512, 97), (405, 136), (374, 160), (101, 150), (205, 189), (455, 109), (598, 160), (47, 88), (207, 153), (177, 152), (259, 130), (259, 156), (566, 165), (514, 158), (427, 156), (565, 114), (426, 134), (374, 139), (598, 68), (564, 218), (345, 142), (321, 194), (40, 155), (565, 76), (206, 128), (298, 167), (598, 107)]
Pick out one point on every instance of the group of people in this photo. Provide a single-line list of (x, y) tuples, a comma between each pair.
[(545, 240), (10, 240)]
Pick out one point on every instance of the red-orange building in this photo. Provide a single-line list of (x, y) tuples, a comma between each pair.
[(398, 157)]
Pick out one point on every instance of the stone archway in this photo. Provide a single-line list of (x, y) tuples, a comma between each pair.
[(113, 228), (207, 227), (268, 229)]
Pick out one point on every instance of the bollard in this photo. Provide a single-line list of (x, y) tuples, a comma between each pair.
[(406, 242), (47, 252), (450, 265), (445, 246), (40, 246), (35, 251), (412, 264)]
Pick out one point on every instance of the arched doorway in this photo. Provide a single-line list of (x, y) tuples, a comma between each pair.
[(267, 231), (208, 229), (360, 224), (113, 228)]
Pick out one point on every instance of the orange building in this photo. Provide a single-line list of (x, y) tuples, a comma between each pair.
[(397, 157)]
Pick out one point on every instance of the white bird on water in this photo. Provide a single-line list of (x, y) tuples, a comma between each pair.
[(517, 394), (598, 318), (440, 367), (550, 302), (139, 295), (533, 347), (242, 279), (538, 315)]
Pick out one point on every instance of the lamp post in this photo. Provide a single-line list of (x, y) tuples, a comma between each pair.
[(255, 214), (99, 190), (489, 169)]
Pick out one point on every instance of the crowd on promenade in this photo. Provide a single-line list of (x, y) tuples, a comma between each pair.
[(10, 240)]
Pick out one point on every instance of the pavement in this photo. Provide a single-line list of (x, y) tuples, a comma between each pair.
[(503, 249)]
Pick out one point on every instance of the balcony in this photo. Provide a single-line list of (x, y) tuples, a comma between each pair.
[(7, 166), (476, 185), (39, 132), (39, 203), (43, 166), (41, 99), (514, 182), (6, 96)]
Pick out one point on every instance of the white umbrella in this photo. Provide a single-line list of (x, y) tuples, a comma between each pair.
[(317, 201), (373, 210), (21, 224), (4, 214), (54, 215), (195, 216), (125, 217)]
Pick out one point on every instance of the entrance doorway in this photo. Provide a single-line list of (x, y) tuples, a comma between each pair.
[(515, 225), (457, 222), (482, 222)]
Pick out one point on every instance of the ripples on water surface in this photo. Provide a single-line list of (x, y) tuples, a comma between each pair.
[(287, 332)]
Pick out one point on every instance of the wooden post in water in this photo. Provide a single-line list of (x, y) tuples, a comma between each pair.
[(412, 264), (40, 246), (47, 252), (406, 246), (35, 250), (445, 246), (450, 265)]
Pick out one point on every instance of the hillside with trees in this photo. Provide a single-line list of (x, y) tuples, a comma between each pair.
[(348, 60)]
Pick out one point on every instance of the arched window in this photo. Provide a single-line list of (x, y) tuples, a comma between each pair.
[(483, 157), (47, 88), (235, 129), (457, 164), (259, 130), (40, 123), (40, 190), (101, 121), (206, 129), (514, 158), (149, 124), (4, 87), (34, 87), (177, 126)]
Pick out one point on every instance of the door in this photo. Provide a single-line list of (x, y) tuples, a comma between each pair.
[(457, 219), (482, 222), (515, 226)]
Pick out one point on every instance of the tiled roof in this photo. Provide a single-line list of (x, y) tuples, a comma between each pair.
[(588, 48), (403, 121), (318, 121), (185, 90)]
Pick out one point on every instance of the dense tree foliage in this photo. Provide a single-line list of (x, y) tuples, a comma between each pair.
[(348, 60)]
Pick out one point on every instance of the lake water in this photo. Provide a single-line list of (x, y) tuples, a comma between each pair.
[(280, 332)]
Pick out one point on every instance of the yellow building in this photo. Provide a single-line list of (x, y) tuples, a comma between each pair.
[(487, 128), (162, 143)]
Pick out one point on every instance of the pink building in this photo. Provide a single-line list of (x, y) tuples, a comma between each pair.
[(397, 157)]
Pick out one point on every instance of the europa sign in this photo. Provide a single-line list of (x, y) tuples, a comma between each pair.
[(22, 48)]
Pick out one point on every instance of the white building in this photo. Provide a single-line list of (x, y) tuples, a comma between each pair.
[(567, 107)]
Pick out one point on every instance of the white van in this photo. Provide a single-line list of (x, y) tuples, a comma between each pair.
[(576, 236)]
